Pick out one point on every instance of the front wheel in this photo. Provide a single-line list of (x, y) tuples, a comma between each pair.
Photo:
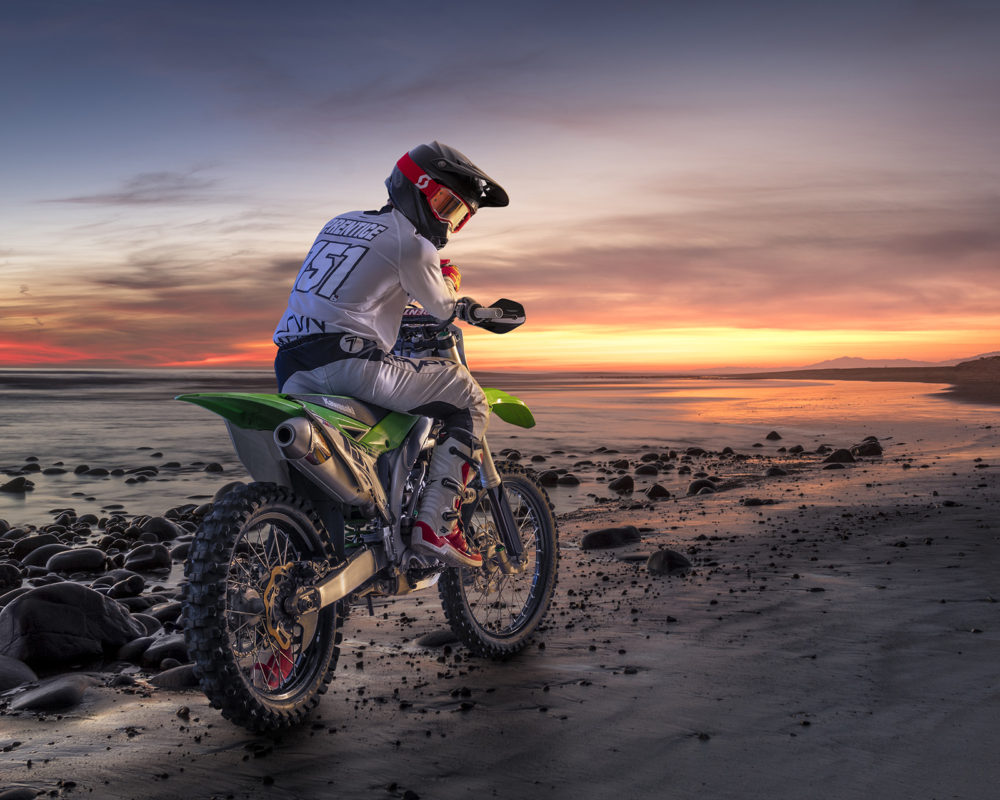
[(494, 609), (263, 668)]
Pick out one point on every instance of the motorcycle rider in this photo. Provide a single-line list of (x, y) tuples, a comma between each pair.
[(344, 311)]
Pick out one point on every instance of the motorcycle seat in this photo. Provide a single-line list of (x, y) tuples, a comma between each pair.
[(367, 413)]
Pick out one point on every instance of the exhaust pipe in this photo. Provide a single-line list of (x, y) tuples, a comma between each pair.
[(333, 461)]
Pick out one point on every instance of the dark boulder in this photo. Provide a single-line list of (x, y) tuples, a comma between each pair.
[(657, 492), (569, 479), (176, 678), (55, 694), (622, 485), (24, 546), (170, 646), (18, 485), (40, 556), (548, 478), (667, 562), (773, 436), (647, 469), (698, 486), (869, 446), (14, 673), (841, 456), (10, 578), (147, 557), (610, 537), (62, 623), (81, 559)]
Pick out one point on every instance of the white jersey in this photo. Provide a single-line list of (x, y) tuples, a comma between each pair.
[(359, 275)]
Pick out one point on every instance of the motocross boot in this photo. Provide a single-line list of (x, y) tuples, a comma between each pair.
[(436, 531)]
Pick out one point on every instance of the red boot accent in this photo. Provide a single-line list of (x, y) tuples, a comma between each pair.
[(450, 549)]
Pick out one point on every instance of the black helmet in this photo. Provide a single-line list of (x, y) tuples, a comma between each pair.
[(437, 188)]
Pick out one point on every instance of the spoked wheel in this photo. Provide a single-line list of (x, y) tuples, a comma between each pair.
[(262, 667), (494, 609)]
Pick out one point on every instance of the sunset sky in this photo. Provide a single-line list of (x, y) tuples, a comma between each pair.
[(693, 184)]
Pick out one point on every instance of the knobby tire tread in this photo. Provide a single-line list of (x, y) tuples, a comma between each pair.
[(467, 629), (206, 571)]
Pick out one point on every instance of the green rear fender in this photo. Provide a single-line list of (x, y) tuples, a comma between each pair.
[(265, 412), (509, 408)]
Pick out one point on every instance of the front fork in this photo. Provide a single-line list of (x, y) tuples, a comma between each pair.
[(488, 473), (502, 515)]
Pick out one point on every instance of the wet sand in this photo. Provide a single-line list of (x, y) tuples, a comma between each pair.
[(840, 641)]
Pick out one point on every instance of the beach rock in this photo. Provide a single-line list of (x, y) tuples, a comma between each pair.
[(147, 557), (647, 469), (55, 694), (20, 793), (622, 485), (10, 578), (180, 552), (224, 490), (24, 546), (177, 678), (62, 623), (170, 646), (18, 485), (657, 492), (437, 638), (151, 624), (569, 479), (773, 436), (548, 478), (163, 528), (82, 559), (698, 486), (869, 446), (667, 562), (14, 673), (775, 472), (133, 651), (756, 501), (167, 612), (610, 537), (131, 586), (6, 597), (841, 456)]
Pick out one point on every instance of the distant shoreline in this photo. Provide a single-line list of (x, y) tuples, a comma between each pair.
[(972, 381)]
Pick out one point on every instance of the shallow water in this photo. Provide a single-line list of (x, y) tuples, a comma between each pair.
[(127, 419)]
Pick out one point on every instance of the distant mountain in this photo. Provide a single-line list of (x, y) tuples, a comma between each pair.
[(849, 362)]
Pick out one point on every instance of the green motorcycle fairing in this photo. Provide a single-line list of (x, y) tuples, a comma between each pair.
[(264, 412)]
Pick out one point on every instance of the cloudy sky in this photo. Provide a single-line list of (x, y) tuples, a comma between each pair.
[(692, 184)]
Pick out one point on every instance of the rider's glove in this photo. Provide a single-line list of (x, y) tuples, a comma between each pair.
[(451, 273)]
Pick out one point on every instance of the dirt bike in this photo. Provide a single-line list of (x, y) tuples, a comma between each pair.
[(277, 563)]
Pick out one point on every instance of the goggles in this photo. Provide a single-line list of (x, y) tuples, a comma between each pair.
[(444, 203)]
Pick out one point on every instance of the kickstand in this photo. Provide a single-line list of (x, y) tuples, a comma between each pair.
[(371, 607)]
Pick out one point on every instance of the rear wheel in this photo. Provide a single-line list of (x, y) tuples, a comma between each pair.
[(494, 609), (261, 667)]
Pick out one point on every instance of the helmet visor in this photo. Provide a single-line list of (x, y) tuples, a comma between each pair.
[(444, 203)]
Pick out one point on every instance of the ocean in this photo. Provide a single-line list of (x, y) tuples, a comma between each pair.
[(124, 419)]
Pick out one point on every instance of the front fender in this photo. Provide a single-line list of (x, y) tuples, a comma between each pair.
[(509, 408)]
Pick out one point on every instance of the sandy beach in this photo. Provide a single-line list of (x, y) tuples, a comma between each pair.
[(836, 637)]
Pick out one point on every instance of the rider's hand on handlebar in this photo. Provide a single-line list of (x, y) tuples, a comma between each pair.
[(451, 273)]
